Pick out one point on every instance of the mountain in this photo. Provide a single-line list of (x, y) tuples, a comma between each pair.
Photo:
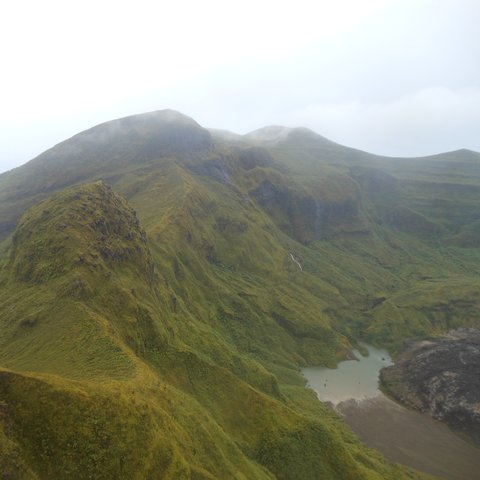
[(161, 285)]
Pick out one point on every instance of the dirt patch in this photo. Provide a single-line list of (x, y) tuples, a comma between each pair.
[(411, 438)]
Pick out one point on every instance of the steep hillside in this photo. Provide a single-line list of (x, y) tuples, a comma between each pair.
[(165, 342), (105, 375), (107, 150)]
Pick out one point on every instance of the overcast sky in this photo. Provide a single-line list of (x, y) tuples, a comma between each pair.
[(395, 77)]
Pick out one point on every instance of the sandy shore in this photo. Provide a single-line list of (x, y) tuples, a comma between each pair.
[(411, 438)]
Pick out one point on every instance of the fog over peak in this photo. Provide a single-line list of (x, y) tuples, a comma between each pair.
[(391, 77), (271, 133)]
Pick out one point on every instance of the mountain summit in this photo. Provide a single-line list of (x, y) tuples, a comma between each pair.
[(161, 286), (156, 134)]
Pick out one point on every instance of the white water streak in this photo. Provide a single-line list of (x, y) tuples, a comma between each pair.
[(297, 262)]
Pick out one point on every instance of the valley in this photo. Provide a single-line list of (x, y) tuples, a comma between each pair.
[(162, 285)]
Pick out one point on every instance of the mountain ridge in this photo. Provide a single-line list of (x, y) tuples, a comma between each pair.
[(193, 278), (175, 117), (127, 361)]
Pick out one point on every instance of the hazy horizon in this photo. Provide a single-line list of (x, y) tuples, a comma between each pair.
[(391, 77), (231, 131)]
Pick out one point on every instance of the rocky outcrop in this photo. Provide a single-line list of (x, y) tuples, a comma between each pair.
[(441, 377), (214, 168), (307, 217), (86, 226)]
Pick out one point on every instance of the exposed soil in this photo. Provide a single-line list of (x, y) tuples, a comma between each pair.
[(441, 377), (411, 438)]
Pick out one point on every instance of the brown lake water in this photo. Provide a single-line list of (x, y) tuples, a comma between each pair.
[(403, 436), (352, 379)]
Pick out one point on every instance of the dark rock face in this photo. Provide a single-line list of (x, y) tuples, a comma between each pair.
[(321, 214), (253, 157), (216, 169), (441, 377), (268, 195), (304, 217)]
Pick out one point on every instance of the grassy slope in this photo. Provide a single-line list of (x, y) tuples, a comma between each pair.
[(103, 376), (415, 266), (202, 332)]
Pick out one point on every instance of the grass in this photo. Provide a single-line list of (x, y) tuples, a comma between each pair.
[(173, 352)]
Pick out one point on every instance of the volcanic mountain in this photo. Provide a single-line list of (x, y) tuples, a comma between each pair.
[(161, 284)]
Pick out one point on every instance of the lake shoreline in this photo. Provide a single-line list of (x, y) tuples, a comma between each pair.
[(402, 435), (442, 377)]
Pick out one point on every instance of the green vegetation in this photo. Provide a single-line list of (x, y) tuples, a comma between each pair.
[(165, 342)]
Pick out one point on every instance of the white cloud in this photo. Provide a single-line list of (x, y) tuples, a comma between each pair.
[(420, 123), (67, 66)]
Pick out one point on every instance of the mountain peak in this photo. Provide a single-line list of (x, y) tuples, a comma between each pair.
[(159, 117), (269, 134), (274, 134), (83, 226), (162, 132)]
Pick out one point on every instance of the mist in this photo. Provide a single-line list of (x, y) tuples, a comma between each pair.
[(398, 78)]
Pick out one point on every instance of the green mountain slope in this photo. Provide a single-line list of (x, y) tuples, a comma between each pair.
[(165, 342)]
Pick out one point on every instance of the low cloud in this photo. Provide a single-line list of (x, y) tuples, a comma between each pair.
[(419, 123)]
